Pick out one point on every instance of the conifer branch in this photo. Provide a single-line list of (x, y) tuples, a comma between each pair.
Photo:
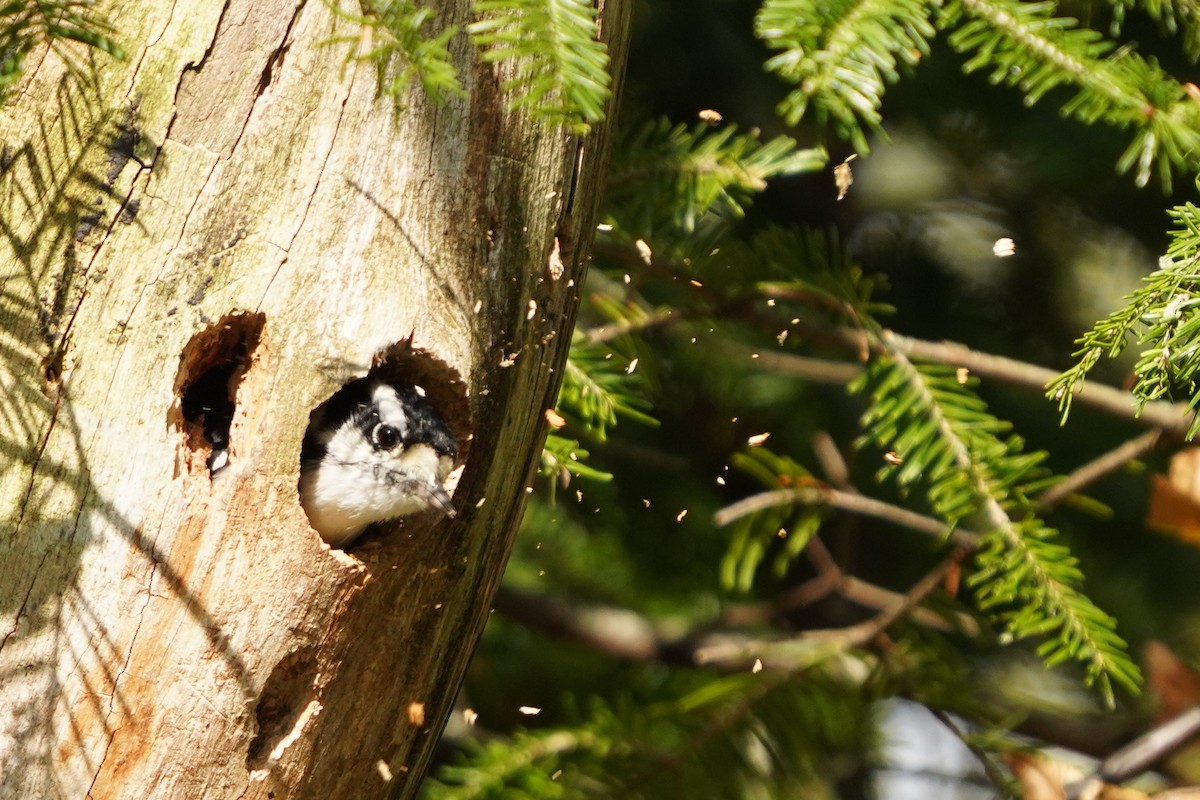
[(1104, 464), (690, 172), (561, 67), (1174, 17), (841, 56), (844, 501), (1027, 46), (641, 751), (1174, 418), (942, 437), (1162, 316), (1012, 36), (401, 48), (597, 388)]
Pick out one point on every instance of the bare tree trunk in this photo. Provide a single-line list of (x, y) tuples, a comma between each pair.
[(233, 203)]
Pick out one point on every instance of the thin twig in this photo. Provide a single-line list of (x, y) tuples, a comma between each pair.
[(1151, 747), (822, 370), (846, 501), (822, 559), (860, 634), (1172, 417), (810, 647), (1087, 474), (994, 771), (869, 595), (617, 632), (833, 465), (615, 330), (829, 579)]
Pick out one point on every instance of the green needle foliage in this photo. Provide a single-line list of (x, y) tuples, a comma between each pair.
[(789, 525), (766, 735), (1027, 46), (26, 24), (561, 73), (402, 50), (973, 470), (1174, 18), (841, 55), (599, 386), (676, 263), (563, 458), (1163, 316), (672, 175), (675, 251)]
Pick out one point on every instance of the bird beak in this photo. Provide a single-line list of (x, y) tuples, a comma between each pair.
[(441, 501)]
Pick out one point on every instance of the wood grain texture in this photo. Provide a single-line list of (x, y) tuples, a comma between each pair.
[(170, 636)]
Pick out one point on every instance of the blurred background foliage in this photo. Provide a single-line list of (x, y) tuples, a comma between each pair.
[(787, 541), (640, 648)]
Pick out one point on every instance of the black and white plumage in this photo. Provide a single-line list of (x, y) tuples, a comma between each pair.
[(374, 451)]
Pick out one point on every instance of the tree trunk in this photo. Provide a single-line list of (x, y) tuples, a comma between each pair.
[(234, 206)]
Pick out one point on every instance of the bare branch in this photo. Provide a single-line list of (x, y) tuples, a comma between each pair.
[(831, 460), (1146, 750), (797, 652), (822, 370), (846, 501), (1171, 417), (1097, 468), (615, 330), (617, 632)]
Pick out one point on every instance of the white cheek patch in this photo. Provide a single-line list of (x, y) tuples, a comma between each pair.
[(420, 460), (340, 501), (334, 501)]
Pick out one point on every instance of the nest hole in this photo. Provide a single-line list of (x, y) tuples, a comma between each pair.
[(404, 366), (211, 368)]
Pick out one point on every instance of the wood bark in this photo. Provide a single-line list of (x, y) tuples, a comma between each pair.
[(236, 195)]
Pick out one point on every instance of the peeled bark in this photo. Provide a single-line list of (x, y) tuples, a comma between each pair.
[(235, 205)]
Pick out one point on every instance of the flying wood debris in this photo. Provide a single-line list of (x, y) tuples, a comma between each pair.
[(1004, 247), (843, 177), (643, 251), (555, 265)]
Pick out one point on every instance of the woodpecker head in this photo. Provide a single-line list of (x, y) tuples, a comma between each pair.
[(374, 451)]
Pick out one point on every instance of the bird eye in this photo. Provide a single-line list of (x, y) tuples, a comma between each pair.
[(384, 436)]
